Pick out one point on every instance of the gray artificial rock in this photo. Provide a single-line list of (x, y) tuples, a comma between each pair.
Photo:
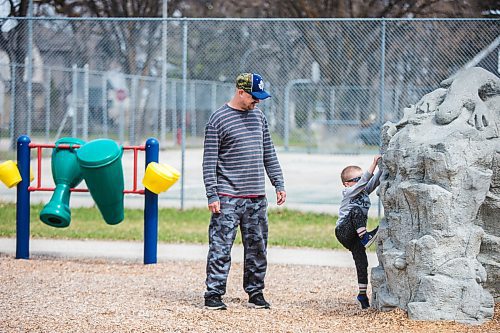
[(439, 242)]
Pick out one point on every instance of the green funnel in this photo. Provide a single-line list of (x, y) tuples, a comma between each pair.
[(67, 174), (101, 164)]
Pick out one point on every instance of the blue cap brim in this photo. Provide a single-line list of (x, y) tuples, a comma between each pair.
[(260, 94)]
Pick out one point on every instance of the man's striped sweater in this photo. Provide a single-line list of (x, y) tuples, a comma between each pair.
[(237, 150)]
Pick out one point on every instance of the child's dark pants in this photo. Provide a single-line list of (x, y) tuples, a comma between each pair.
[(347, 236)]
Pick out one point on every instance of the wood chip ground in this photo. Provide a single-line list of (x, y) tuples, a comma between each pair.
[(61, 295)]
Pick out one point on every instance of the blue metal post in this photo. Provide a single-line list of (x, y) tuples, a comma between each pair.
[(151, 208), (23, 199)]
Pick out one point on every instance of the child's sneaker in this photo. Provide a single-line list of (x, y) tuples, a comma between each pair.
[(369, 237), (257, 301), (363, 299), (214, 302)]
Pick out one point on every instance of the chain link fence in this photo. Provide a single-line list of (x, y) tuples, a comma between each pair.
[(333, 82), (108, 77)]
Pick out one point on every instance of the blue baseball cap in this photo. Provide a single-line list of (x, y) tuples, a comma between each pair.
[(253, 84)]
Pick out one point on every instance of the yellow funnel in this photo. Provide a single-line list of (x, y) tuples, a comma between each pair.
[(159, 177), (9, 173)]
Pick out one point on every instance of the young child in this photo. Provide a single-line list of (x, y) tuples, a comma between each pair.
[(353, 214)]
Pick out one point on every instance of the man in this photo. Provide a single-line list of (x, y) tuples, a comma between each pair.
[(238, 151)]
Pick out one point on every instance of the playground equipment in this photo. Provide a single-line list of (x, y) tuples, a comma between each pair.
[(159, 177), (101, 165), (9, 174), (67, 174), (24, 147)]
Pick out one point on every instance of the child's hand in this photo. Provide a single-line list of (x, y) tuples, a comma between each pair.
[(376, 158)]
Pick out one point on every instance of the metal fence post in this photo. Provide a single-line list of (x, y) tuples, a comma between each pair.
[(213, 96), (104, 104), (29, 69), (173, 99), (382, 74), (121, 117), (382, 93), (163, 87), (12, 103), (184, 107), (286, 116), (85, 116), (48, 95), (192, 111), (133, 108), (74, 106), (286, 112)]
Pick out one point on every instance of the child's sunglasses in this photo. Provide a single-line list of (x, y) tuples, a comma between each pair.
[(354, 180)]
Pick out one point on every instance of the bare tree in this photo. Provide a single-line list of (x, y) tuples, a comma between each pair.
[(359, 8), (134, 44), (15, 43), (343, 40)]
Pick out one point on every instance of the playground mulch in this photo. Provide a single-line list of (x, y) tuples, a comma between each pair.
[(59, 295)]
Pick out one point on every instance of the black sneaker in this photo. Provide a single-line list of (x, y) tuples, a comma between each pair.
[(369, 237), (363, 299), (257, 301), (214, 303)]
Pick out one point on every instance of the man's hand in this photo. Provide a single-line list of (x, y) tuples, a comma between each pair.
[(214, 207), (280, 197)]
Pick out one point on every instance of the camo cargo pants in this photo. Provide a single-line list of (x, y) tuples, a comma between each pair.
[(250, 214)]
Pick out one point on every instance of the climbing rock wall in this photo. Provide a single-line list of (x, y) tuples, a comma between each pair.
[(439, 242)]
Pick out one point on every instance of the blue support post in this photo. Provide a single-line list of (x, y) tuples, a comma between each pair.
[(151, 208), (23, 199)]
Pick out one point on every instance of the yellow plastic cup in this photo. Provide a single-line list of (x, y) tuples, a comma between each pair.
[(9, 173), (160, 177)]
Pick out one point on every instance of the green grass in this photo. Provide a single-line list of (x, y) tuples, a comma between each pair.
[(298, 138), (286, 227)]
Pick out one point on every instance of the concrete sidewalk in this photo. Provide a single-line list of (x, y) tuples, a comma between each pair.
[(133, 251)]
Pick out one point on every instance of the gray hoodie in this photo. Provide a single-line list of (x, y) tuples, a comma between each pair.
[(358, 195)]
